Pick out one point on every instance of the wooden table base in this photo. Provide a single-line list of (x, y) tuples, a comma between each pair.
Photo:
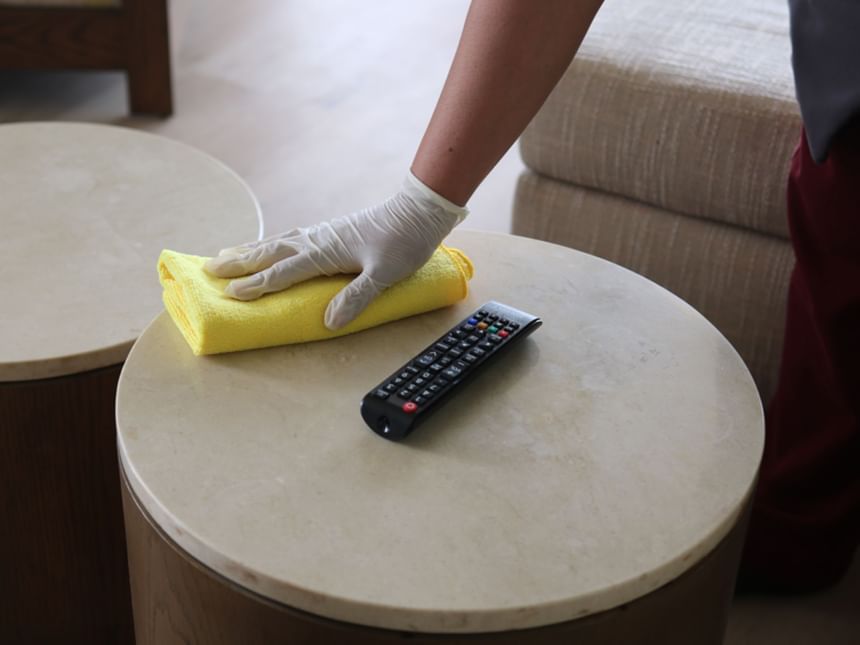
[(178, 601), (64, 575)]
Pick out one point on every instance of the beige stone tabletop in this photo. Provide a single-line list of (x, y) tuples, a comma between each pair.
[(595, 462), (84, 212)]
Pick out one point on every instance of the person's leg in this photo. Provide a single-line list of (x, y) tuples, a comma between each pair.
[(805, 523)]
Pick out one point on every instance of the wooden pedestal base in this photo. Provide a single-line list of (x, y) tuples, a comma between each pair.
[(178, 601), (64, 575)]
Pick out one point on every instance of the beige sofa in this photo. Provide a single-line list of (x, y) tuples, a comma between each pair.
[(665, 148)]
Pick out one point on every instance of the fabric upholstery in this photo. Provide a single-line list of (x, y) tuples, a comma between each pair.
[(736, 278), (683, 104)]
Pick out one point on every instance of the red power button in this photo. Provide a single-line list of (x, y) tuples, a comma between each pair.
[(409, 406)]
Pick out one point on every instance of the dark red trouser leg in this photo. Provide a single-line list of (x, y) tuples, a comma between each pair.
[(806, 517)]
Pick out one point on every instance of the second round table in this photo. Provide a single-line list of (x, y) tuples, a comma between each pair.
[(86, 209)]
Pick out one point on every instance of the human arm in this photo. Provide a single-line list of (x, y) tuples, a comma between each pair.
[(510, 56)]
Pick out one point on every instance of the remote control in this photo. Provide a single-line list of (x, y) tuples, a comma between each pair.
[(412, 393)]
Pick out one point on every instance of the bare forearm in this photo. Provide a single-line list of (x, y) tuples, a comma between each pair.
[(511, 55)]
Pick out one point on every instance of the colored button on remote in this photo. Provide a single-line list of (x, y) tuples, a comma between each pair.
[(409, 407)]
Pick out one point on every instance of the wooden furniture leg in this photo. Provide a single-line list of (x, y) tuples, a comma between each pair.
[(63, 573), (132, 37)]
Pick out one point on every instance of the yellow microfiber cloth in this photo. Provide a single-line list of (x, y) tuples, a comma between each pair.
[(214, 323)]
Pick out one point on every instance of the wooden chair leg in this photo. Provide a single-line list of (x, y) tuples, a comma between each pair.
[(148, 71)]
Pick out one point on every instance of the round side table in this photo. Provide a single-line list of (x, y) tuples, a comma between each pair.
[(86, 210), (590, 487)]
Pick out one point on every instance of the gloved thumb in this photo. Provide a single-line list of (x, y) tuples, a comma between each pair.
[(352, 300)]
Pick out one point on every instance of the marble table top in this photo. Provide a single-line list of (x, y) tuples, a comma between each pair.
[(597, 461), (85, 211)]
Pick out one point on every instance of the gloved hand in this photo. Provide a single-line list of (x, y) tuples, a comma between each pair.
[(383, 244)]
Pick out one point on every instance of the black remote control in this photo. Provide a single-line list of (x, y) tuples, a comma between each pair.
[(406, 398)]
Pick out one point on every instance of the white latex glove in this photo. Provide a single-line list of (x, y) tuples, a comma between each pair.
[(383, 244)]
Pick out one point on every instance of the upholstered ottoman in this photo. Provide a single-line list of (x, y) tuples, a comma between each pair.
[(665, 148)]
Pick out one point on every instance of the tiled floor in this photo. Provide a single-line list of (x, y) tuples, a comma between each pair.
[(320, 106)]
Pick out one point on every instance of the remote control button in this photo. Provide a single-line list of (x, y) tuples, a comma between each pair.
[(450, 340), (419, 381), (391, 387), (426, 375), (399, 381), (412, 369), (472, 321), (427, 393), (468, 328), (436, 367), (442, 347), (404, 394), (419, 400), (515, 325), (381, 394), (455, 353), (492, 330), (445, 360), (465, 344), (487, 345), (477, 351), (441, 382), (428, 358), (503, 333), (482, 325), (452, 372), (462, 365), (411, 387), (470, 358), (409, 407), (503, 321), (495, 339), (459, 333), (482, 313), (433, 388), (493, 317), (509, 328)]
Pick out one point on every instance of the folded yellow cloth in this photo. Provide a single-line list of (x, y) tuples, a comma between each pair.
[(213, 323)]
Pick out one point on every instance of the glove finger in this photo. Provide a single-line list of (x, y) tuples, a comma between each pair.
[(279, 276), (249, 246), (251, 261), (352, 300)]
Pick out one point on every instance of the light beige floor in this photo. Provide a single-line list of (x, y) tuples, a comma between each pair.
[(320, 105)]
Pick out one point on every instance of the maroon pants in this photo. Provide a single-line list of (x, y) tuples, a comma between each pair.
[(806, 516)]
